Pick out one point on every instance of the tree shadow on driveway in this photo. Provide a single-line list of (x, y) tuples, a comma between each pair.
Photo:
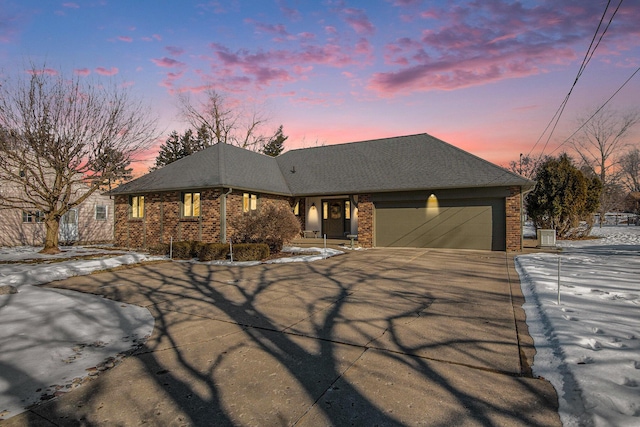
[(368, 338)]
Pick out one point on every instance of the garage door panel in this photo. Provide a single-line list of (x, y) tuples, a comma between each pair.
[(470, 225)]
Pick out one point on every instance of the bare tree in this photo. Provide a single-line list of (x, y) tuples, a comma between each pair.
[(527, 165), (62, 139), (630, 169), (226, 122), (601, 138)]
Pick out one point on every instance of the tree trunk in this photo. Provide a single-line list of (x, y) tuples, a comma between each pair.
[(51, 239)]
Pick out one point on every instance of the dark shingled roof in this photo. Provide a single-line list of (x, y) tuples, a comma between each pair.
[(221, 165), (404, 163)]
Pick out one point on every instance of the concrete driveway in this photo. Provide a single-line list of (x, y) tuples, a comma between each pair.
[(377, 337)]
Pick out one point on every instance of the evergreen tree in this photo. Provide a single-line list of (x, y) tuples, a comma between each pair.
[(563, 197), (275, 146)]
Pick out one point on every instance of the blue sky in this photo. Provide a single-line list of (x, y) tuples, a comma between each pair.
[(486, 76)]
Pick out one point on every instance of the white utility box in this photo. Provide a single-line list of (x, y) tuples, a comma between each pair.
[(546, 237)]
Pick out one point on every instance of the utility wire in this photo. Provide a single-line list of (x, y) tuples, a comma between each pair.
[(598, 110), (587, 58)]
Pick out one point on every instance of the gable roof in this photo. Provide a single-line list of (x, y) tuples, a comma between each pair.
[(404, 163)]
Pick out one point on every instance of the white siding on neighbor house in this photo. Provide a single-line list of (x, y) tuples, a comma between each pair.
[(15, 232)]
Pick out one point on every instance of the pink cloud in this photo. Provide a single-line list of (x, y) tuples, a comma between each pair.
[(486, 41), (107, 72), (82, 72), (292, 14), (126, 39), (167, 62), (358, 21), (276, 29), (175, 51), (47, 71)]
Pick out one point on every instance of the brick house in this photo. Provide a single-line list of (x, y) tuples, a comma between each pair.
[(412, 191)]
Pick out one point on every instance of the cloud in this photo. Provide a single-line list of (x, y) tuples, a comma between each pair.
[(107, 72), (47, 71), (126, 39), (292, 14), (476, 43), (175, 51), (71, 5), (82, 72), (167, 62), (275, 29), (358, 21)]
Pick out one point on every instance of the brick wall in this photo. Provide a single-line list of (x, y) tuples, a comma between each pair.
[(514, 217), (365, 220), (163, 221)]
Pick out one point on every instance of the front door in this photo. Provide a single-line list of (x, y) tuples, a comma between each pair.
[(68, 231), (334, 221)]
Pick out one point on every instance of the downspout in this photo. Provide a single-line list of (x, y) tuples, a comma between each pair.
[(223, 216)]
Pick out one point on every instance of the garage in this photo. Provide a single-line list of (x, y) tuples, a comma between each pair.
[(445, 223)]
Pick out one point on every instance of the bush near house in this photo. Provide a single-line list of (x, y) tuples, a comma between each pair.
[(213, 251), (270, 224), (250, 251)]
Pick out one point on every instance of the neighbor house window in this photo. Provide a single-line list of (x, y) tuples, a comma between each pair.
[(191, 204), (249, 202), (36, 216), (137, 206), (101, 212)]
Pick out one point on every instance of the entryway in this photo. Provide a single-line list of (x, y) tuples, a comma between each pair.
[(336, 218)]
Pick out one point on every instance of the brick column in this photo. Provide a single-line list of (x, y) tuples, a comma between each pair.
[(365, 220), (513, 205)]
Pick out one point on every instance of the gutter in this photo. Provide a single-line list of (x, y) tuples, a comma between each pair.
[(223, 215)]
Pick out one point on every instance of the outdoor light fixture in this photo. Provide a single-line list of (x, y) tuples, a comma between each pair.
[(313, 206)]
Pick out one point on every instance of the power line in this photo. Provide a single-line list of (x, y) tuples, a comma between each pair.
[(598, 110), (587, 58)]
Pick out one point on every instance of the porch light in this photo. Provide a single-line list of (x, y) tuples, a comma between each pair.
[(433, 208), (313, 206)]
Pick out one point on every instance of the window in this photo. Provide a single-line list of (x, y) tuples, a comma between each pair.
[(347, 209), (249, 202), (296, 208), (137, 207), (191, 204), (36, 216), (101, 212), (325, 210)]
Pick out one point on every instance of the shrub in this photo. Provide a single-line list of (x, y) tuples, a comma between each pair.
[(250, 251), (159, 249), (213, 251), (271, 224), (182, 250)]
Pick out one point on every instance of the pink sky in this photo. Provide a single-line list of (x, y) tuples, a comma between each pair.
[(484, 76)]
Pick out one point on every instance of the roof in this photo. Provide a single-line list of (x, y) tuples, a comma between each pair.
[(221, 165), (404, 163)]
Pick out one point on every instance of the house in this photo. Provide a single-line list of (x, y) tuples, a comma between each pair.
[(411, 191), (90, 222)]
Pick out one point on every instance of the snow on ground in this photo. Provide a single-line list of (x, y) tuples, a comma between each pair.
[(51, 340), (588, 346)]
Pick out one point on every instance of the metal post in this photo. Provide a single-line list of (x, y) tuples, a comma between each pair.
[(231, 249), (558, 279), (324, 251), (171, 247)]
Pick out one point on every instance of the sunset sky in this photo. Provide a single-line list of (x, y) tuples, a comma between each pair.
[(486, 76)]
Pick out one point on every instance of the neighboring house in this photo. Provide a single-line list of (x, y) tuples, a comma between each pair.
[(412, 191), (90, 222)]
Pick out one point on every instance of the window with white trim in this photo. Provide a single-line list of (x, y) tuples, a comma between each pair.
[(101, 212)]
